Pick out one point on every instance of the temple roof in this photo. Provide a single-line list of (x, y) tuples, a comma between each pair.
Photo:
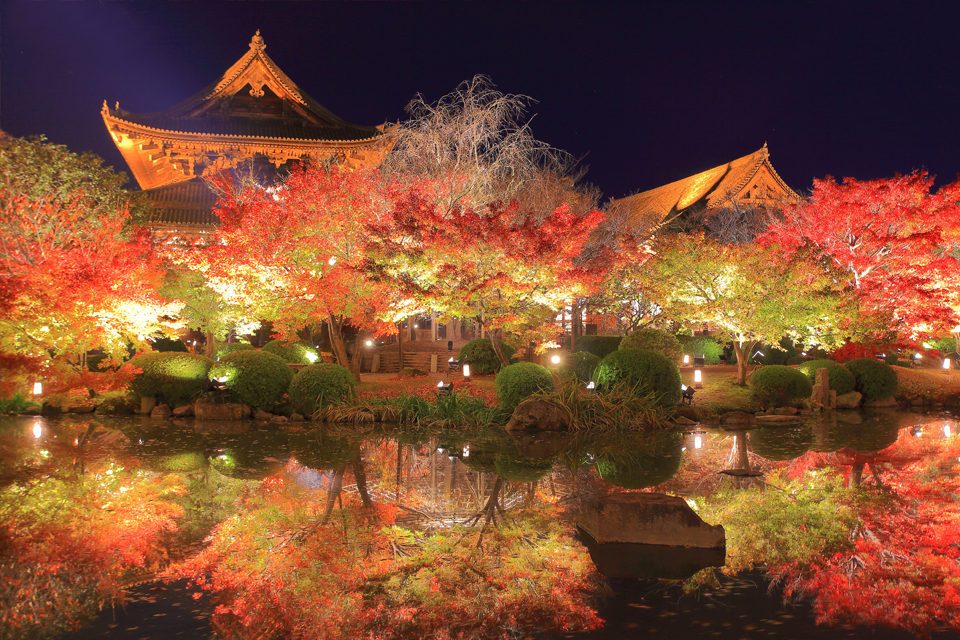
[(749, 180), (253, 98), (181, 205)]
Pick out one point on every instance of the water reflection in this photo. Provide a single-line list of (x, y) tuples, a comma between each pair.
[(387, 533)]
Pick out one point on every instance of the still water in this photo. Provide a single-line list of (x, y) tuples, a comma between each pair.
[(839, 527)]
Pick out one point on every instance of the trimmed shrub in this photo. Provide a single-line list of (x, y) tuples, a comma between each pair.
[(319, 385), (229, 347), (653, 340), (599, 346), (480, 356), (783, 353), (777, 384), (872, 378), (646, 372), (518, 381), (841, 380), (292, 352), (781, 442), (580, 366), (173, 377), (642, 461), (256, 378), (165, 344), (702, 346)]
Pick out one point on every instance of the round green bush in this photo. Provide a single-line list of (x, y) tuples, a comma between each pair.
[(229, 347), (580, 366), (599, 346), (872, 378), (256, 378), (164, 343), (841, 380), (703, 347), (480, 356), (642, 461), (172, 376), (647, 372), (781, 442), (321, 384), (653, 340), (777, 384), (518, 381), (292, 352)]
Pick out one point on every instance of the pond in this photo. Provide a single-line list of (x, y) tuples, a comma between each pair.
[(138, 528)]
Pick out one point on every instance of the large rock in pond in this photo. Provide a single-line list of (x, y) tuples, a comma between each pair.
[(648, 518), (220, 410), (538, 414), (849, 400)]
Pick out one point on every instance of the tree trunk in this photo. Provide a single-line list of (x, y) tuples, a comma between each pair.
[(337, 344), (357, 358), (743, 356), (576, 326), (209, 344), (856, 474), (498, 347), (360, 474)]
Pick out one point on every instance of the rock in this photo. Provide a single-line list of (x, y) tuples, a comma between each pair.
[(220, 410), (648, 518), (296, 417), (786, 411), (184, 411), (279, 419), (684, 421), (33, 410), (85, 405), (917, 402), (736, 418), (147, 403), (160, 412), (539, 414), (849, 400), (882, 403), (777, 419), (260, 414)]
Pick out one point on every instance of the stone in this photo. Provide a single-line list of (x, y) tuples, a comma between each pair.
[(260, 414), (777, 419), (184, 411), (296, 417), (147, 403), (279, 419), (684, 421), (220, 410), (84, 405), (648, 518), (849, 400), (540, 415), (881, 403), (736, 418), (786, 411), (160, 412)]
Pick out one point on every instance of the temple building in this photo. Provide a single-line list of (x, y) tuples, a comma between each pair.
[(748, 182), (253, 112)]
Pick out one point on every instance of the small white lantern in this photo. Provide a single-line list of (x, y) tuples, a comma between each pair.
[(38, 388), (946, 363), (698, 378), (698, 441), (686, 358), (466, 371), (368, 343)]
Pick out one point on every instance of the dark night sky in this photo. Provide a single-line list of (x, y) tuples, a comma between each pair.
[(648, 92)]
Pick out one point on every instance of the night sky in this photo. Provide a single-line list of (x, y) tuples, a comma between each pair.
[(646, 92)]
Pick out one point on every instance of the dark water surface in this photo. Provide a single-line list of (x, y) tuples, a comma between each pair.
[(133, 528)]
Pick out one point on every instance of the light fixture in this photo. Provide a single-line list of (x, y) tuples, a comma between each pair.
[(698, 378), (37, 429), (368, 343), (698, 441), (946, 363), (466, 372), (466, 451), (312, 357), (686, 358), (38, 388), (444, 388), (332, 261), (555, 359), (917, 356), (591, 385), (947, 431)]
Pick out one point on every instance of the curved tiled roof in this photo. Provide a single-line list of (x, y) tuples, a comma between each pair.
[(714, 187), (182, 204)]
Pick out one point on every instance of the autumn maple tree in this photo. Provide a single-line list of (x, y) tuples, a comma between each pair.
[(895, 241)]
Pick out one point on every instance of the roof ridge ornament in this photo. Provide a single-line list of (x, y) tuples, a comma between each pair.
[(257, 43)]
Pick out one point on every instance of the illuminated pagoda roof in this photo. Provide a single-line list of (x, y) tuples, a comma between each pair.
[(253, 110), (749, 181)]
